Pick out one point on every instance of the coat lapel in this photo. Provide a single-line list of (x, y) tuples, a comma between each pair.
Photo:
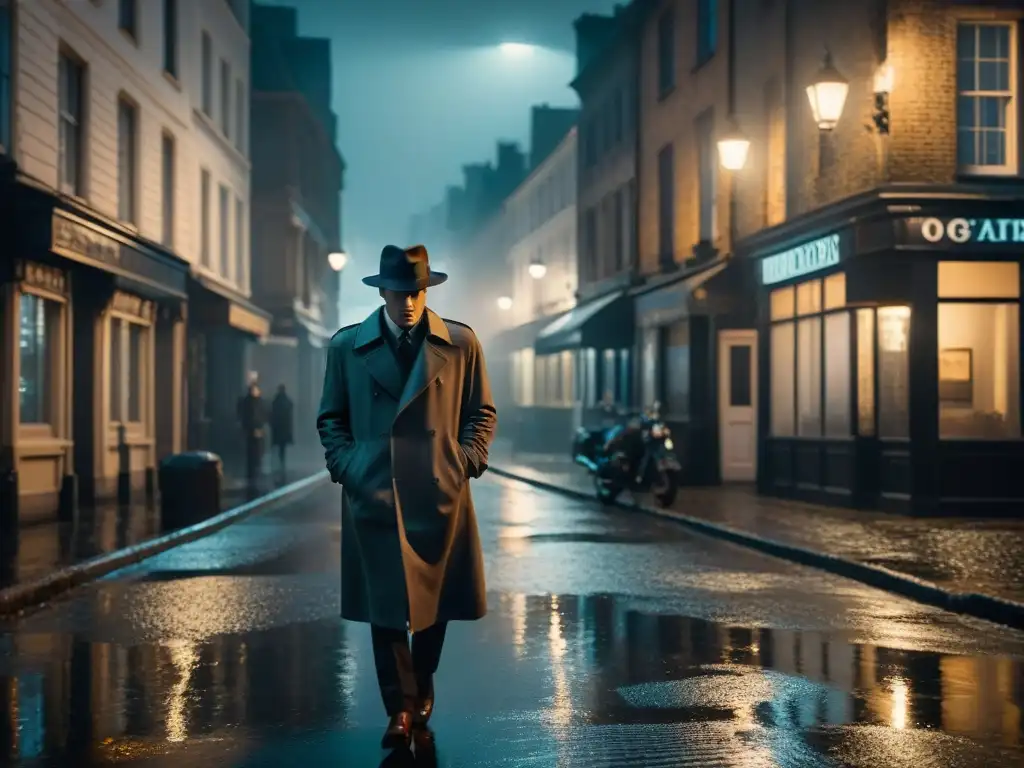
[(376, 355), (430, 362)]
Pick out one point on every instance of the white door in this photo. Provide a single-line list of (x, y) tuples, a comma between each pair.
[(737, 404)]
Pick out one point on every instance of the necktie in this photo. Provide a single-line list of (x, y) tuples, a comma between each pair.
[(405, 350)]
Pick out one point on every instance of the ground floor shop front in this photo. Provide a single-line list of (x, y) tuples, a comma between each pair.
[(556, 374), (92, 326), (890, 327)]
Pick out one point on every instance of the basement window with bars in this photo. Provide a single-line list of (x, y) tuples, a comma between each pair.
[(986, 105)]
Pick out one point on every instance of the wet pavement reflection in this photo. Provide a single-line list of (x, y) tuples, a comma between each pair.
[(229, 652)]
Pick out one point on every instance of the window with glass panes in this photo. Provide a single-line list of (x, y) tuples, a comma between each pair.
[(811, 375), (986, 97), (128, 371)]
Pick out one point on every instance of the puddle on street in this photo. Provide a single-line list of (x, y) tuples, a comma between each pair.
[(574, 663)]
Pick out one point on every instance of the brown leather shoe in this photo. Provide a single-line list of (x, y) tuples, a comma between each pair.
[(399, 732), (424, 706)]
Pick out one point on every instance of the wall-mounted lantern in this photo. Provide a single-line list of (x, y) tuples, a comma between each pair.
[(504, 303), (827, 95), (883, 87), (733, 148), (537, 269)]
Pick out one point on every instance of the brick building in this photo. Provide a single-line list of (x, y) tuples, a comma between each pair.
[(115, 120), (598, 332), (877, 234), (298, 177)]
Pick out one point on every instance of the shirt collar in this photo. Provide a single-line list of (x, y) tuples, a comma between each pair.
[(390, 324)]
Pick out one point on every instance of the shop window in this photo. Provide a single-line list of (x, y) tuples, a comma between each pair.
[(38, 347), (625, 380), (866, 372), (893, 372), (811, 376), (808, 377), (649, 379), (783, 355), (523, 365), (837, 373), (128, 372), (676, 386), (568, 377), (608, 393), (979, 350), (589, 377), (979, 371)]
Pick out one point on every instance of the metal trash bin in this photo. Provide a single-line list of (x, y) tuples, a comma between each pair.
[(190, 485)]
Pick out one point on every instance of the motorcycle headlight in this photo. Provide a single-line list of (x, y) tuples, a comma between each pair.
[(669, 445)]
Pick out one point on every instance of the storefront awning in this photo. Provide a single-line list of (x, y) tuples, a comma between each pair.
[(521, 336), (217, 304), (672, 300), (603, 323)]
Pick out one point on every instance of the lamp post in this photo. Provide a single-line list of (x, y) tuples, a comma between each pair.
[(827, 95)]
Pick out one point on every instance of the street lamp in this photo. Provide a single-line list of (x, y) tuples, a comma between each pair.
[(827, 95), (733, 147), (337, 260), (504, 303), (516, 50), (537, 270)]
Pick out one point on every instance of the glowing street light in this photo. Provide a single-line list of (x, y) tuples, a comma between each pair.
[(537, 270), (504, 303), (827, 95), (733, 148), (337, 260), (516, 50)]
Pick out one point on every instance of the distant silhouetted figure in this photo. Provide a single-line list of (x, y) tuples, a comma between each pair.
[(252, 414), (281, 427)]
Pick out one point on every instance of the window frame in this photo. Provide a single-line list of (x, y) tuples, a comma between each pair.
[(226, 117), (793, 320), (707, 178), (75, 123), (205, 192), (168, 187), (171, 61), (706, 28), (143, 378), (130, 215), (128, 19), (1012, 164), (224, 230), (206, 74), (241, 270), (989, 301), (57, 359)]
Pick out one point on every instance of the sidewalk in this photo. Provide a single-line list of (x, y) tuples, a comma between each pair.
[(38, 549), (966, 555)]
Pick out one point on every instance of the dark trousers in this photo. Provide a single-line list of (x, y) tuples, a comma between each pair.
[(254, 456), (405, 669)]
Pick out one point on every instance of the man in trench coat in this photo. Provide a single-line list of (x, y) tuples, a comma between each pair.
[(406, 420)]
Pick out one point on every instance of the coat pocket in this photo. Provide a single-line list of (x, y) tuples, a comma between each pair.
[(367, 478)]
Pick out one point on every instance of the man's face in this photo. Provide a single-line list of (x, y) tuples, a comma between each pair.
[(404, 308)]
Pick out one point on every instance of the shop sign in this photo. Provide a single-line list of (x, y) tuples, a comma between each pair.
[(75, 240), (962, 230), (804, 259)]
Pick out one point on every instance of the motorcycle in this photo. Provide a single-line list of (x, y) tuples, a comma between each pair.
[(638, 456)]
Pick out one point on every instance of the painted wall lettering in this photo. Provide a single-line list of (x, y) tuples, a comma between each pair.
[(804, 259)]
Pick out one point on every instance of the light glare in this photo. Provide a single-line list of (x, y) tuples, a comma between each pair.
[(337, 260), (504, 303), (516, 49)]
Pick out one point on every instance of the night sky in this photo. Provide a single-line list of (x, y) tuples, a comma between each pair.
[(420, 88)]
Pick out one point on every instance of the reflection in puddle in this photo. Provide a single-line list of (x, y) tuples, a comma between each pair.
[(580, 662)]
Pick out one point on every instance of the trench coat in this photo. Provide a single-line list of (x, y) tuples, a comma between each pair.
[(410, 546), (281, 409)]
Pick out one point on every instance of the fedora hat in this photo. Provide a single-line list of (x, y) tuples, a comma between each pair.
[(405, 269)]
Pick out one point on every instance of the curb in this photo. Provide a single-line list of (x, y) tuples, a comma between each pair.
[(980, 606), (21, 596)]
